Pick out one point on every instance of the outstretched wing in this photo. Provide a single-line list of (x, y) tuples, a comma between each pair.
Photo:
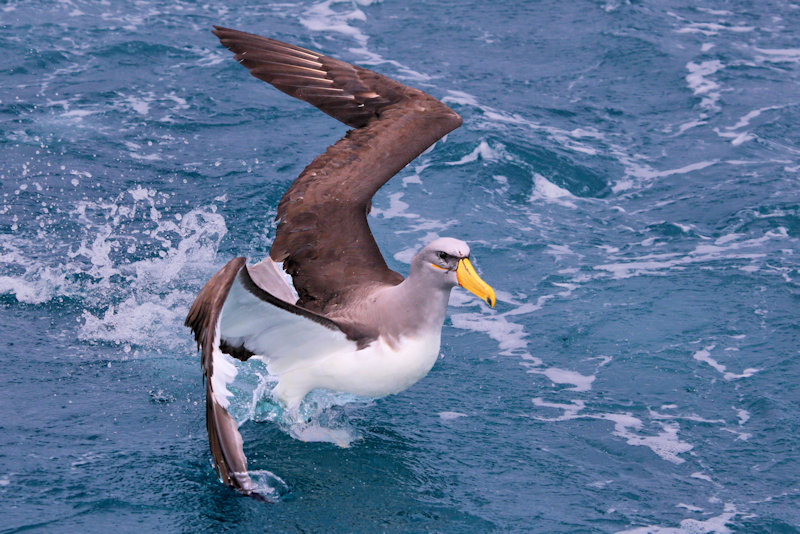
[(234, 316), (323, 238)]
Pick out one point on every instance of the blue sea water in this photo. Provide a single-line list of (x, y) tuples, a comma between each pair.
[(628, 176)]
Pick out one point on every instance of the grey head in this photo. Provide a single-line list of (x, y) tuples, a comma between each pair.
[(444, 263)]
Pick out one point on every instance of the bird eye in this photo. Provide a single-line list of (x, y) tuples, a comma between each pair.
[(442, 255)]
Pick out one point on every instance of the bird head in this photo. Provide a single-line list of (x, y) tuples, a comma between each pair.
[(447, 260)]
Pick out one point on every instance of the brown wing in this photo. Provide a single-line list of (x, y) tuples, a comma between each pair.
[(323, 237), (224, 439)]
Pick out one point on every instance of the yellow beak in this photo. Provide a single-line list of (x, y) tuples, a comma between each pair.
[(469, 280)]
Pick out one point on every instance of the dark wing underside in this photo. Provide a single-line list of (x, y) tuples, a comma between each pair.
[(323, 238)]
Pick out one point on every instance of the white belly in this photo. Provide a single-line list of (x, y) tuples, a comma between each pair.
[(376, 371)]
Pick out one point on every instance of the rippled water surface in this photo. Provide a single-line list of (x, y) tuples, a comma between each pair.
[(628, 176)]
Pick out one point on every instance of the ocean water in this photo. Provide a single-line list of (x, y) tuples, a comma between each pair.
[(628, 176)]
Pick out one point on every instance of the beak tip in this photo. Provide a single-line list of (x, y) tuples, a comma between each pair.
[(469, 280)]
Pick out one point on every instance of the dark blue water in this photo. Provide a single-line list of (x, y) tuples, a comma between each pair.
[(628, 176)]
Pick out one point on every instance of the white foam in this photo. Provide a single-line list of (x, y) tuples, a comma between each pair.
[(645, 174), (720, 12), (483, 151), (740, 436), (685, 417), (405, 255), (779, 55), (267, 484), (664, 443), (689, 507), (322, 17), (570, 410), (736, 137), (700, 84), (567, 139), (78, 113), (704, 355), (316, 420), (730, 248), (36, 286), (140, 320), (146, 157), (418, 167), (713, 28), (510, 336), (560, 251), (405, 73), (449, 416), (686, 169), (139, 105), (747, 117), (565, 376), (461, 98), (397, 208), (206, 57), (743, 415), (639, 267), (691, 124), (544, 189), (180, 102), (713, 525), (316, 433), (701, 476)]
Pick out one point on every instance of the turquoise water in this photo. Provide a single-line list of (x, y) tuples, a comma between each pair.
[(628, 176)]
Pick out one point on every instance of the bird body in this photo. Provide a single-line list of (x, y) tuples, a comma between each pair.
[(378, 370)]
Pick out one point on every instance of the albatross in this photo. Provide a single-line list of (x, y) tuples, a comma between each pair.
[(347, 323)]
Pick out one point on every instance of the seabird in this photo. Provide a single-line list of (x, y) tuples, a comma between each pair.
[(349, 324)]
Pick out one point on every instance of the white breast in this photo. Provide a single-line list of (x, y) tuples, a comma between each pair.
[(375, 371)]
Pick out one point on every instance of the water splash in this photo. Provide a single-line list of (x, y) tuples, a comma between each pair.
[(322, 416), (121, 259)]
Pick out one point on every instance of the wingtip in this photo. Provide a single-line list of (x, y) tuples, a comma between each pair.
[(222, 31)]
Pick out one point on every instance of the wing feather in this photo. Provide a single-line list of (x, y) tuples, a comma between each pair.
[(224, 439), (323, 238)]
